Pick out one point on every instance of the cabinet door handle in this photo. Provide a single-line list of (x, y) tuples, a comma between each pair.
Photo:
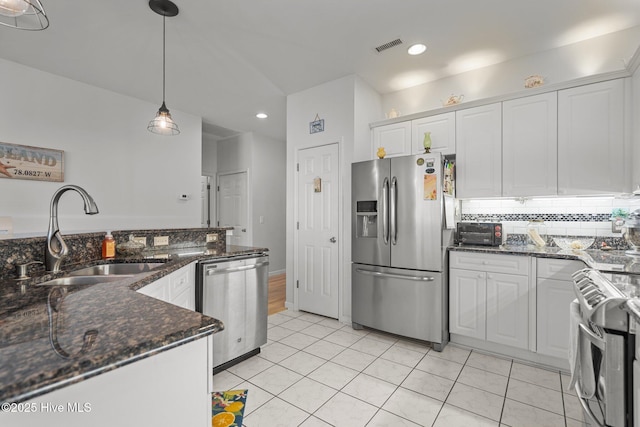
[(489, 276)]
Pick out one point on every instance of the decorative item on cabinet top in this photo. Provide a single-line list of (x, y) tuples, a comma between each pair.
[(533, 81), (426, 143), (453, 100), (392, 114), (381, 153)]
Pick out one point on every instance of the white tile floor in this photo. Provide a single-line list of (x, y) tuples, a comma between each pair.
[(317, 372)]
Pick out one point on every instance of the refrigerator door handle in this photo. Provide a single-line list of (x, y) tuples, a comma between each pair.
[(393, 215), (396, 276), (385, 211)]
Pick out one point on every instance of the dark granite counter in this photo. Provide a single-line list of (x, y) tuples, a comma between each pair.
[(53, 336), (613, 261)]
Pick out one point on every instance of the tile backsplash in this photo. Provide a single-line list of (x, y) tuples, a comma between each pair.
[(571, 216)]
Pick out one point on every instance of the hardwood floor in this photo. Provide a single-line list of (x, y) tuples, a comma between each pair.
[(277, 293)]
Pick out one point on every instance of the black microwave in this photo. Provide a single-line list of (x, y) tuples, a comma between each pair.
[(479, 233)]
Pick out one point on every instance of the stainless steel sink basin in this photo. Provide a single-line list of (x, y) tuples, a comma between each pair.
[(81, 280), (116, 269)]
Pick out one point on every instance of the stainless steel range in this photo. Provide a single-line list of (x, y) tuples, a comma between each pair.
[(603, 347)]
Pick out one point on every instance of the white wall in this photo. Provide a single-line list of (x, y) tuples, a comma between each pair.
[(595, 56), (134, 176), (269, 199), (347, 106), (264, 158), (210, 169), (635, 124)]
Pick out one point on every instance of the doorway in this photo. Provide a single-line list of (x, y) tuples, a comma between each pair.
[(233, 206), (318, 210)]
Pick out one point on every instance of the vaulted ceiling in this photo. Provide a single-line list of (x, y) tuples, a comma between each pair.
[(228, 60)]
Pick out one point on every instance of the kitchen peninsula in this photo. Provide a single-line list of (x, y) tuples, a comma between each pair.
[(90, 350)]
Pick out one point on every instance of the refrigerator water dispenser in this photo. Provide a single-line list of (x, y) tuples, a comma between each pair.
[(367, 218)]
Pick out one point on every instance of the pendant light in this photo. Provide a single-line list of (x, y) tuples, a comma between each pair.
[(23, 14), (163, 124)]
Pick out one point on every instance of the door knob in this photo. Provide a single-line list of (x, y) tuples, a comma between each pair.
[(244, 230), (333, 240)]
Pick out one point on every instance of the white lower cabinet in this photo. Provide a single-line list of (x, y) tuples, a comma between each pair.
[(178, 288), (554, 294), (467, 301), (488, 297), (171, 388), (517, 301), (508, 309)]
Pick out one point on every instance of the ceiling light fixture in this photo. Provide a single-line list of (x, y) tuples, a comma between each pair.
[(262, 115), (163, 124), (416, 49), (23, 15)]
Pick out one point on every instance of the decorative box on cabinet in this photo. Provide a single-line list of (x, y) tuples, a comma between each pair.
[(591, 139), (479, 151), (530, 145), (443, 133), (488, 297), (395, 138)]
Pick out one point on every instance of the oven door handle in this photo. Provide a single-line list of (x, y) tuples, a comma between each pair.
[(593, 338), (585, 407)]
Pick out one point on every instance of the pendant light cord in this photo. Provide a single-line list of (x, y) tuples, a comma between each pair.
[(164, 31)]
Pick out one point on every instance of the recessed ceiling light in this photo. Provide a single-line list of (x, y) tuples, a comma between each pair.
[(261, 115), (416, 49)]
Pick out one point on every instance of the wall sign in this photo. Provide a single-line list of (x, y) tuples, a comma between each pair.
[(317, 125), (33, 163)]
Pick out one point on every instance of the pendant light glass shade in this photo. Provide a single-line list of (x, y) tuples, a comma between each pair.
[(23, 14), (163, 123)]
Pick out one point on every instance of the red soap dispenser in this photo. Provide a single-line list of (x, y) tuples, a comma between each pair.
[(108, 246)]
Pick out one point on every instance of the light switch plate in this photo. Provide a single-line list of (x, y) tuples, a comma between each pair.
[(212, 237), (161, 241)]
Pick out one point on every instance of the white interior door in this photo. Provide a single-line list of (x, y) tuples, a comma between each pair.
[(233, 206), (318, 215)]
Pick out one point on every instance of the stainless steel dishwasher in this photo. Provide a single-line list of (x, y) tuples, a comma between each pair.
[(235, 291)]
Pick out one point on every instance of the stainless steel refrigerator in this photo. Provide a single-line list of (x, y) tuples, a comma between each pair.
[(398, 249)]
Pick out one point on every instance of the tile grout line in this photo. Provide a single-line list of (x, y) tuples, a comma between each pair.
[(504, 400)]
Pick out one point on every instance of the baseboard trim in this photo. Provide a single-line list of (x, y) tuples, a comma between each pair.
[(277, 272)]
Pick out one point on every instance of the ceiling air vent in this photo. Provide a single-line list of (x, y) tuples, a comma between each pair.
[(388, 45)]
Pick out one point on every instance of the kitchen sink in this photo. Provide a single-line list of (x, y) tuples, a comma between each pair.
[(118, 269), (81, 280)]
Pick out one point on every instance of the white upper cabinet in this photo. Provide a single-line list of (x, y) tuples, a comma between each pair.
[(395, 138), (479, 151), (530, 146), (443, 133), (591, 149)]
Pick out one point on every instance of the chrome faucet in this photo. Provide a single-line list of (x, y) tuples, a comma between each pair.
[(57, 249)]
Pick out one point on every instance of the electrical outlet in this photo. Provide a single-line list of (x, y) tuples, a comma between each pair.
[(142, 240), (212, 237), (161, 241)]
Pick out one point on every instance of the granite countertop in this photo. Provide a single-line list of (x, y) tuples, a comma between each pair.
[(43, 328), (612, 261)]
